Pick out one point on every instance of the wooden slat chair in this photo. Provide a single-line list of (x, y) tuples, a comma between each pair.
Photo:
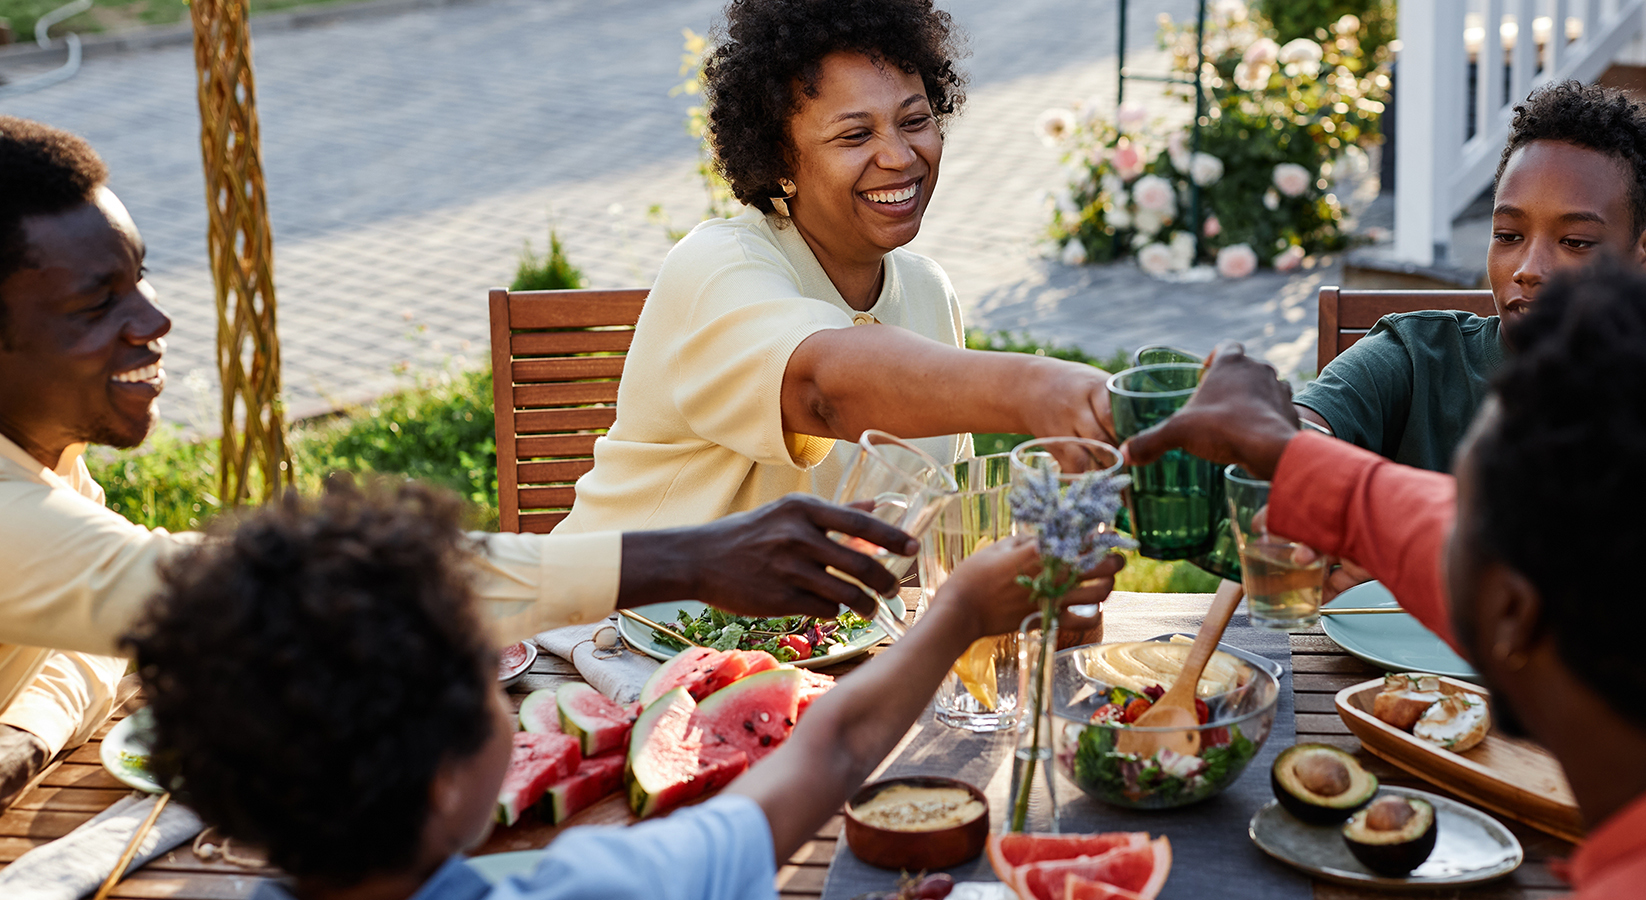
[(556, 360), (1346, 315)]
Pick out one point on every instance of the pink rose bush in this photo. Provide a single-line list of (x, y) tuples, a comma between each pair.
[(1286, 119)]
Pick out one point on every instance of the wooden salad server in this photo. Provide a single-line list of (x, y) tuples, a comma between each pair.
[(1176, 708)]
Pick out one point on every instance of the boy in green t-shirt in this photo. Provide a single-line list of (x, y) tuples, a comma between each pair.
[(1571, 186)]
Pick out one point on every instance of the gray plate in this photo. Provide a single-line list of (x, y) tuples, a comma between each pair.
[(495, 867), (645, 640), (1395, 642), (125, 751), (1471, 847)]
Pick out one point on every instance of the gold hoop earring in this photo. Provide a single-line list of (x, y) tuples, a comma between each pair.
[(781, 203)]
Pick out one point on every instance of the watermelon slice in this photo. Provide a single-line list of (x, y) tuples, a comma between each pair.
[(1077, 888), (1009, 851), (668, 763), (538, 760), (587, 715), (816, 685), (754, 714), (688, 667), (594, 778), (540, 713), (1139, 869), (732, 666), (759, 661)]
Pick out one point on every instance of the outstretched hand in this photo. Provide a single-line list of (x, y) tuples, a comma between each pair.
[(985, 585), (774, 560), (1241, 413), (1068, 398)]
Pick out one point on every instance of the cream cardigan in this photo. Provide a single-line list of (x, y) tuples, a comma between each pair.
[(699, 429)]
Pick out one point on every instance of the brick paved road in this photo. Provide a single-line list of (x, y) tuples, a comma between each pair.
[(410, 156)]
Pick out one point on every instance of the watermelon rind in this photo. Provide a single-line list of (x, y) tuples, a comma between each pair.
[(687, 666), (594, 778), (754, 714), (585, 713), (540, 712)]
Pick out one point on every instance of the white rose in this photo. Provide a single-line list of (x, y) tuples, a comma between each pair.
[(1271, 200), (1291, 179), (1147, 222), (1113, 186), (1182, 247), (1237, 261), (1119, 216), (1054, 126), (1349, 24), (1205, 169), (1212, 228), (1155, 258), (1299, 50), (1288, 259), (1074, 253), (1154, 194), (1252, 77), (1229, 10), (1263, 52)]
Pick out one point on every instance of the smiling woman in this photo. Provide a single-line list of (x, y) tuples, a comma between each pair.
[(826, 118)]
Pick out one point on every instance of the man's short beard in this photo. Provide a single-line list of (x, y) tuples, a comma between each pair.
[(105, 433)]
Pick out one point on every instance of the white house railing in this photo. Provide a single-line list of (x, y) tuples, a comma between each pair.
[(1446, 154)]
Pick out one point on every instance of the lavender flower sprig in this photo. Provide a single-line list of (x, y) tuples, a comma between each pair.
[(1074, 529)]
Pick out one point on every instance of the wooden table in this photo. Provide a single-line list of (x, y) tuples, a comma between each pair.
[(76, 787)]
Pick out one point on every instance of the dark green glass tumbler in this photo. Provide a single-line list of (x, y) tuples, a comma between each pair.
[(1175, 502)]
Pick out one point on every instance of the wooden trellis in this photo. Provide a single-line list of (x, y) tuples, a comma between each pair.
[(242, 255)]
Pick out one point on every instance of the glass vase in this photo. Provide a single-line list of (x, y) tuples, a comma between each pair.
[(1032, 805)]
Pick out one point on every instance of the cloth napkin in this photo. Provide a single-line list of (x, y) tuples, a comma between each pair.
[(75, 864), (618, 674)]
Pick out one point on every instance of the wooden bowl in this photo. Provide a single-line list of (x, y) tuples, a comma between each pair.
[(915, 850)]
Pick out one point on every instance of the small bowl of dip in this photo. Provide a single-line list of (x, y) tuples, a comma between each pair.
[(917, 822)]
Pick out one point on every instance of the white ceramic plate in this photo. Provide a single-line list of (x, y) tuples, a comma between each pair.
[(643, 639), (1471, 846), (1395, 641), (125, 751), (495, 867)]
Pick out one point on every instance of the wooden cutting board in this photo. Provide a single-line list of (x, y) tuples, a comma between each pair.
[(1515, 778)]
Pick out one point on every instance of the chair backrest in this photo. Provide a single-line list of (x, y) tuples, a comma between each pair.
[(556, 360), (1346, 315)]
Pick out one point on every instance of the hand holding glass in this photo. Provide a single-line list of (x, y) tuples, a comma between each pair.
[(1284, 579)]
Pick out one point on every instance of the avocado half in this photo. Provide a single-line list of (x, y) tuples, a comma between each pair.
[(1320, 784), (1393, 835)]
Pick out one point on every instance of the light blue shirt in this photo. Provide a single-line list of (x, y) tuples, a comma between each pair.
[(720, 849)]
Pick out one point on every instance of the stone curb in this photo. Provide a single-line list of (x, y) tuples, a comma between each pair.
[(151, 37)]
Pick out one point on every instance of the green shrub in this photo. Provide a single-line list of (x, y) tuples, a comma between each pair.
[(550, 272)]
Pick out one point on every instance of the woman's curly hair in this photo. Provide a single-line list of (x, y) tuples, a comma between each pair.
[(769, 47), (309, 672), (1588, 115)]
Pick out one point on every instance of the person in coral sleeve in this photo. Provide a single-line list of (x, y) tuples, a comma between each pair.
[(1523, 561)]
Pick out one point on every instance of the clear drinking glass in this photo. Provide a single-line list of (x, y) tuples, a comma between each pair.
[(1173, 502), (1029, 809), (899, 484), (980, 692), (1070, 457), (1284, 580)]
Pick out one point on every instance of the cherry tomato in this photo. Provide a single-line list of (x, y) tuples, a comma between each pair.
[(1135, 707), (1201, 711), (802, 648)]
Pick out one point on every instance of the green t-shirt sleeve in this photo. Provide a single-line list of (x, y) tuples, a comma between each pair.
[(1365, 394)]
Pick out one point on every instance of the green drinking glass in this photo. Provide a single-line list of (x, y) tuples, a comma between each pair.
[(1174, 502)]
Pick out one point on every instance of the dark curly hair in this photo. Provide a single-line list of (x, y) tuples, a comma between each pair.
[(43, 170), (310, 671), (1591, 116), (1565, 454), (766, 47)]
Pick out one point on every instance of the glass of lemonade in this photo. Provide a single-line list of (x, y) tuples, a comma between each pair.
[(980, 692), (1284, 579)]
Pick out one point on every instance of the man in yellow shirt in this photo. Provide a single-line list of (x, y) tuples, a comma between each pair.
[(81, 350)]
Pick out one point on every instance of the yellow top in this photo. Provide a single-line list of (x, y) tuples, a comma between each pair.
[(76, 576), (699, 431)]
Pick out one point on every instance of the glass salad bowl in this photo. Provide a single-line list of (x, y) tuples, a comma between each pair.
[(1098, 688)]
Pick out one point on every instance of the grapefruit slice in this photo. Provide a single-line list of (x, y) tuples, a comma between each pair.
[(1077, 888), (1139, 869), (1009, 851)]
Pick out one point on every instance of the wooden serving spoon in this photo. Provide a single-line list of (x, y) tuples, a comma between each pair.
[(1176, 708)]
